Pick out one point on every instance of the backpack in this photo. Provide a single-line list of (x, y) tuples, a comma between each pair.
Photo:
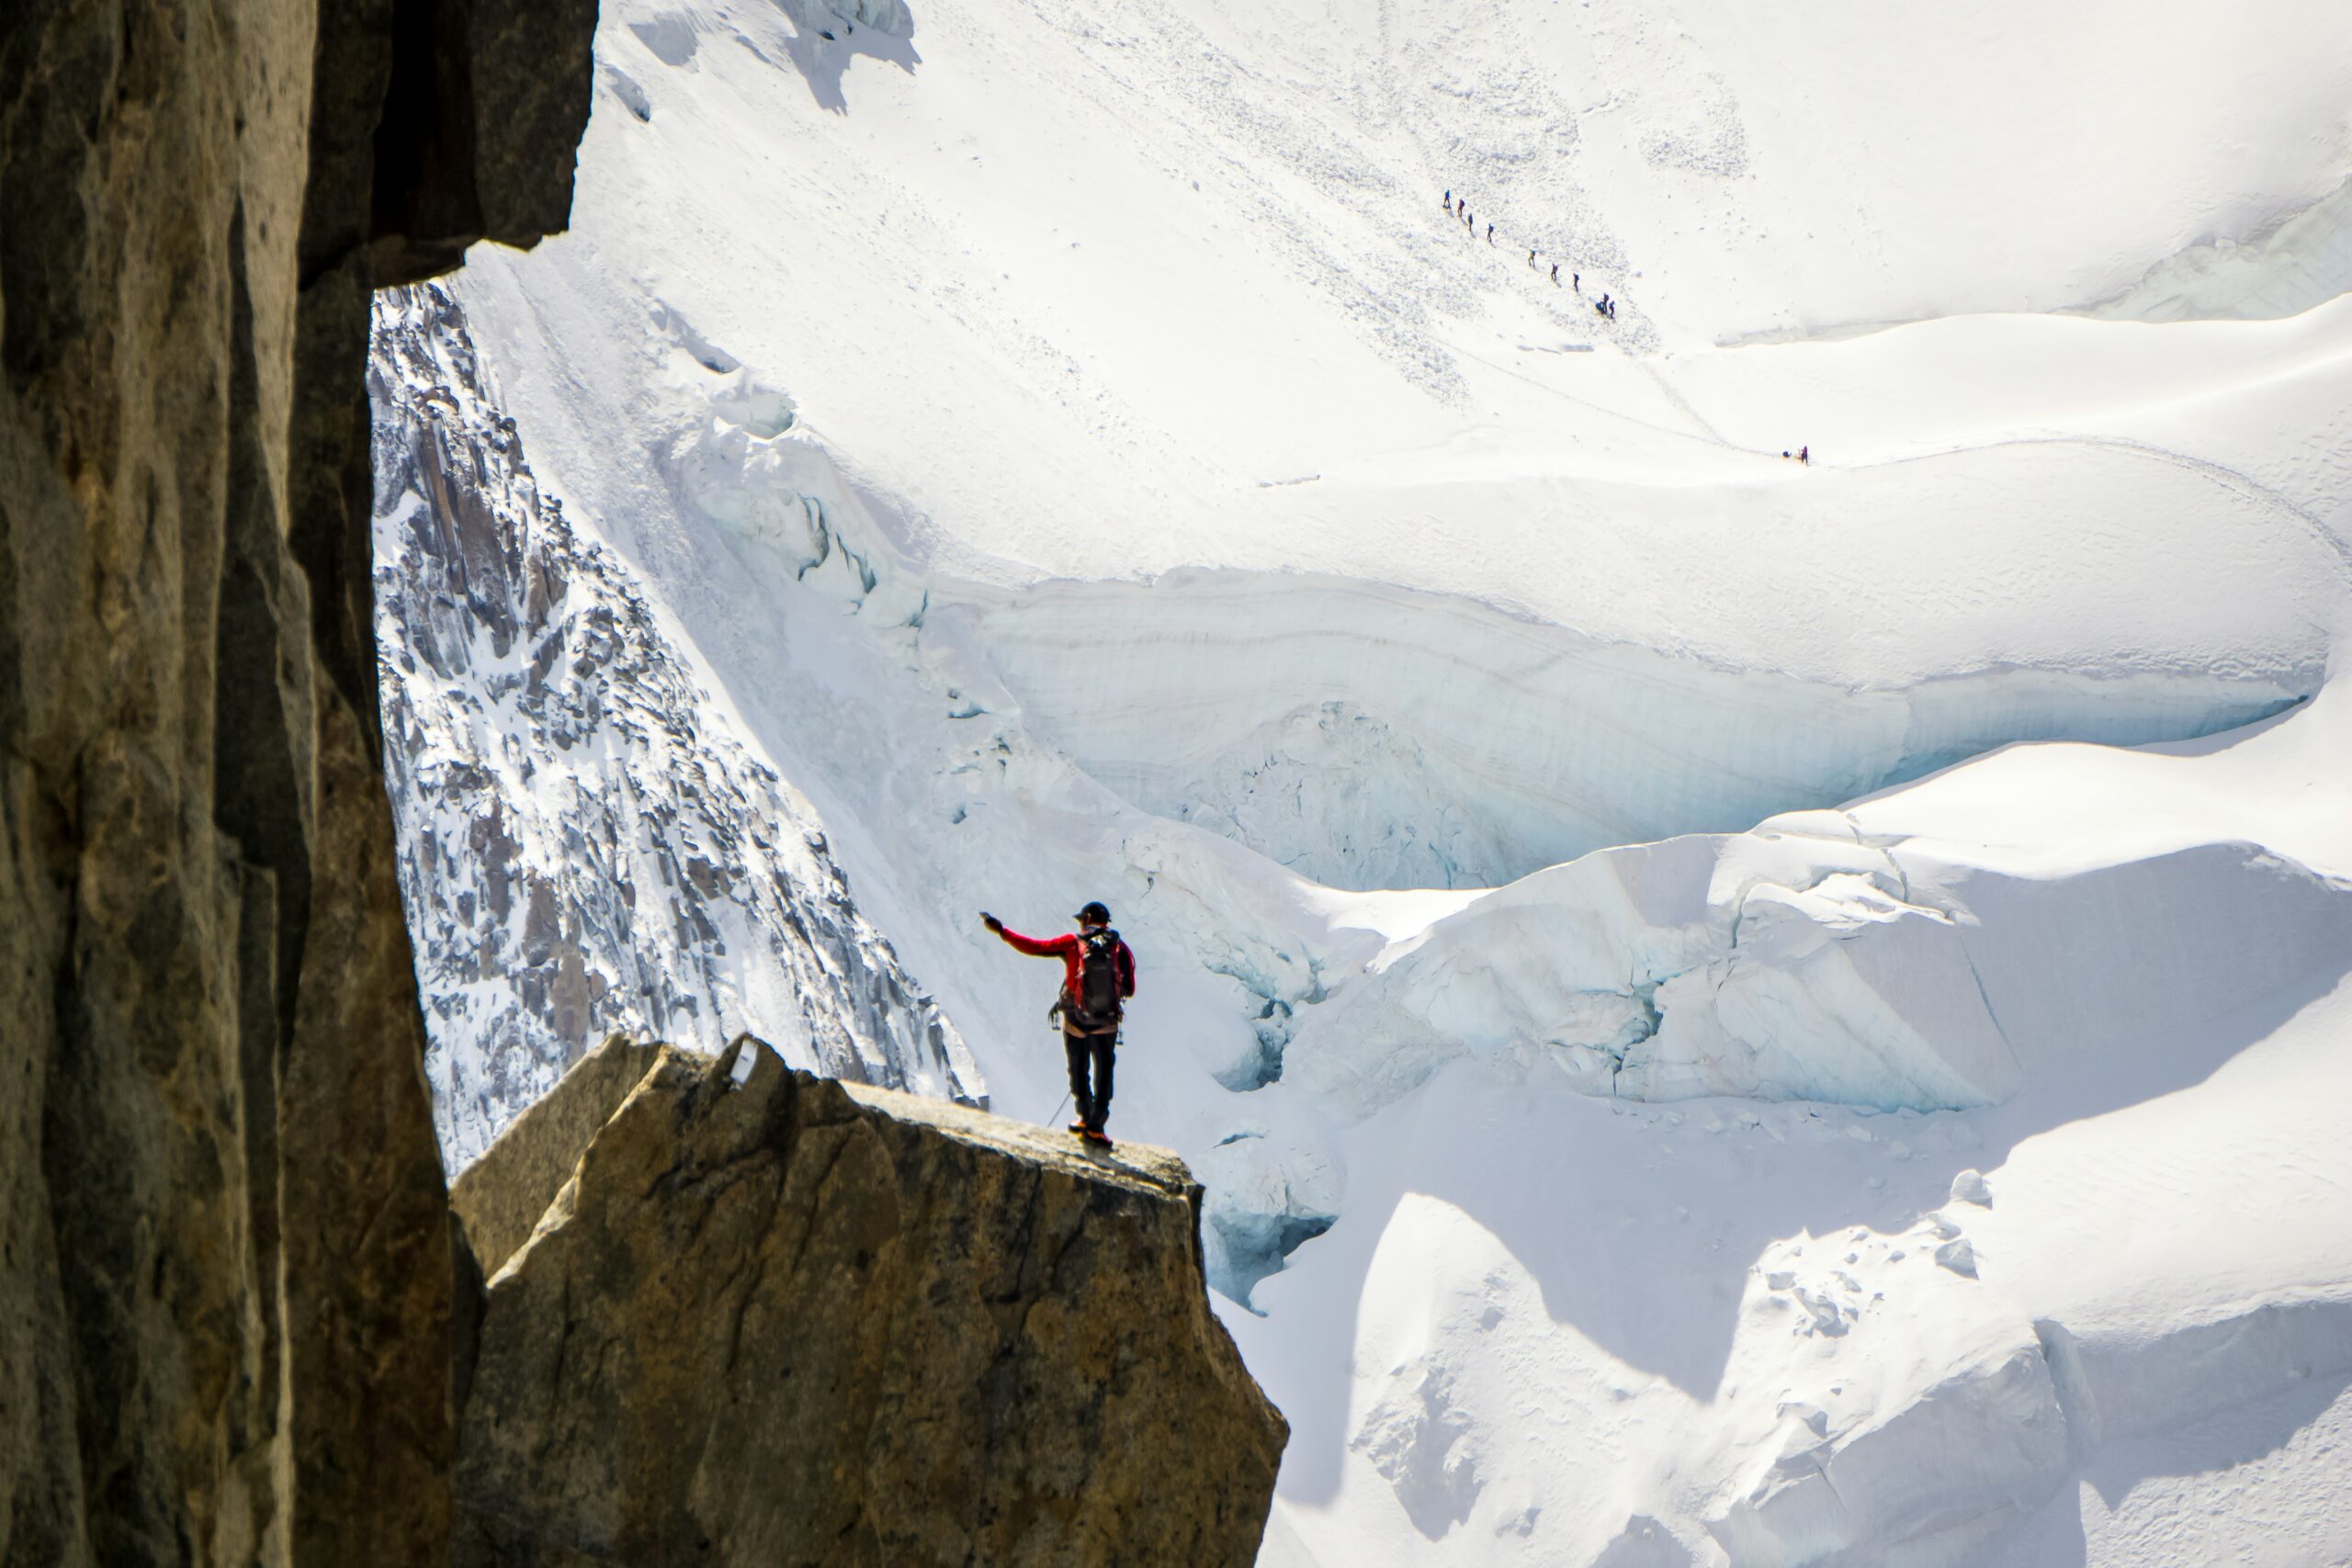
[(1095, 1008)]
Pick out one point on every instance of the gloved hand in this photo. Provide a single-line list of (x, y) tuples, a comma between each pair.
[(991, 922)]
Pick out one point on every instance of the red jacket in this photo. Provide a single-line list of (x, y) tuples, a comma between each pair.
[(1068, 948)]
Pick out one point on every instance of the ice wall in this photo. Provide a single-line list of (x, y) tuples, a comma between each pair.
[(1369, 737), (2300, 260)]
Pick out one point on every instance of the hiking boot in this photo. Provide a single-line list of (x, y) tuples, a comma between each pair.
[(1078, 1127), (1096, 1135)]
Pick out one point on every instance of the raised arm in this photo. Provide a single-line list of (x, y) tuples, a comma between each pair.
[(1051, 947)]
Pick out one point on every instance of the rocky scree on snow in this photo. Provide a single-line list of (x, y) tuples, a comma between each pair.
[(588, 843)]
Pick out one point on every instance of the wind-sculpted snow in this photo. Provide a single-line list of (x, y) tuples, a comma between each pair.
[(2069, 1228), (587, 842), (1830, 956), (1943, 1479)]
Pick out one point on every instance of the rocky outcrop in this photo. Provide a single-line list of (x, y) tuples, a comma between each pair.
[(588, 840), (499, 1199), (771, 1318), (225, 1264)]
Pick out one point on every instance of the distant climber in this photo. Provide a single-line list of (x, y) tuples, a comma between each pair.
[(1804, 456), (1490, 233), (1576, 281), (1449, 201), (1555, 275), (1530, 258), (1098, 975)]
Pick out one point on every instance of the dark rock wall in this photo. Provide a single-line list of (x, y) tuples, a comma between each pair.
[(225, 1270)]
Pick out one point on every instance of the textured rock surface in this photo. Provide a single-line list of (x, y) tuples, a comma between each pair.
[(499, 1199), (589, 840), (225, 1272), (787, 1320)]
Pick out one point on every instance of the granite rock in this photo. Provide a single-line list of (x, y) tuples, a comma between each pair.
[(771, 1318), (226, 1275)]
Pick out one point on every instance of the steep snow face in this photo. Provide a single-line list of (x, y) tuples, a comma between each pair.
[(587, 841), (2300, 260), (1368, 737)]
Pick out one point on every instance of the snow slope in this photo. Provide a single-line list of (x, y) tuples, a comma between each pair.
[(1788, 1328), (970, 265), (1073, 448)]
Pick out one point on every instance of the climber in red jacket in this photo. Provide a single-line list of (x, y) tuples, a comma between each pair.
[(1098, 976)]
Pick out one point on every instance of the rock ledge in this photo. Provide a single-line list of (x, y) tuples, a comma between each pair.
[(787, 1320)]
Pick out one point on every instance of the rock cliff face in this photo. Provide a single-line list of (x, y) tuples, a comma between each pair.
[(588, 841), (771, 1318), (225, 1266)]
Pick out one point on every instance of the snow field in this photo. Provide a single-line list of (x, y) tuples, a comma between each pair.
[(1924, 1417), (1773, 1333)]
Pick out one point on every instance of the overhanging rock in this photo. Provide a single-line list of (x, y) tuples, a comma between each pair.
[(766, 1318)]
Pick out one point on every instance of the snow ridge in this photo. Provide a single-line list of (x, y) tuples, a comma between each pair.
[(588, 843)]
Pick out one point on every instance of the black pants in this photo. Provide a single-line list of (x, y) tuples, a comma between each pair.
[(1094, 1104)]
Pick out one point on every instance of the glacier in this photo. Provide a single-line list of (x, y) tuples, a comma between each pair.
[(1728, 1012)]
